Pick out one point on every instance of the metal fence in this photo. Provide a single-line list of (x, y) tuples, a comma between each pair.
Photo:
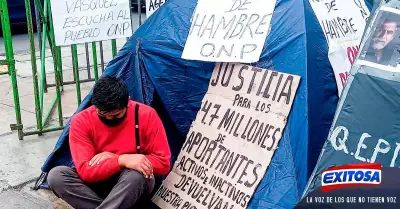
[(46, 39), (10, 62)]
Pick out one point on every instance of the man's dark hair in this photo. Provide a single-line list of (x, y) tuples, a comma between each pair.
[(110, 94), (391, 18)]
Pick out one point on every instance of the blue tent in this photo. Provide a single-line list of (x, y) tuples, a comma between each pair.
[(151, 65)]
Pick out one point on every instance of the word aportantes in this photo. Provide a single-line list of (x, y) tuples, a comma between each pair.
[(218, 157)]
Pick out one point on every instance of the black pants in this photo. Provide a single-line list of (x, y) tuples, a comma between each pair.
[(128, 189)]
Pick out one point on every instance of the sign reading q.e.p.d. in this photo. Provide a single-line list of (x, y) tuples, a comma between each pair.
[(232, 140), (229, 30), (82, 21)]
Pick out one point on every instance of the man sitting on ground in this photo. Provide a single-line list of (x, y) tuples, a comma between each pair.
[(117, 145)]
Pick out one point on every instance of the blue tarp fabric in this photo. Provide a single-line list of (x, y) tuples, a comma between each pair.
[(151, 64)]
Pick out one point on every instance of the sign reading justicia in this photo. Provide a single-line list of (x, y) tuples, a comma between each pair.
[(232, 140)]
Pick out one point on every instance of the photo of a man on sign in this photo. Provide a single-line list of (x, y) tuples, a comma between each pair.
[(383, 40)]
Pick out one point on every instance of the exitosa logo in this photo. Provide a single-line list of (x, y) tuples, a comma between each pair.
[(351, 175)]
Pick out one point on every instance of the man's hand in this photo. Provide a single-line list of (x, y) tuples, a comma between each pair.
[(137, 162), (100, 157)]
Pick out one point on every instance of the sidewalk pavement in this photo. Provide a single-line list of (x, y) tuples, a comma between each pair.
[(20, 164), (21, 161)]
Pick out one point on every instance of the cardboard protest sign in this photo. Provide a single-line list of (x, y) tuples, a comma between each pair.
[(152, 6), (343, 23), (82, 21), (229, 31), (232, 140)]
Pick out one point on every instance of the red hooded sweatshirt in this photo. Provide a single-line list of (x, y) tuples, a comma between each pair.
[(89, 136)]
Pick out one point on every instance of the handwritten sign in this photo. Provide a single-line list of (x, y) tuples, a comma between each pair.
[(343, 23), (82, 21), (232, 140), (152, 6), (229, 30)]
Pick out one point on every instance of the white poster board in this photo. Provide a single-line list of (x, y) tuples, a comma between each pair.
[(232, 140), (343, 23), (229, 30), (83, 21), (152, 6)]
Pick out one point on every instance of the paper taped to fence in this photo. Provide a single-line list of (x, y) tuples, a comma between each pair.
[(343, 23), (232, 140), (83, 21), (229, 30), (153, 5)]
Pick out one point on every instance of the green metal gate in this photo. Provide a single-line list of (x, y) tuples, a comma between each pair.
[(10, 62), (40, 83)]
